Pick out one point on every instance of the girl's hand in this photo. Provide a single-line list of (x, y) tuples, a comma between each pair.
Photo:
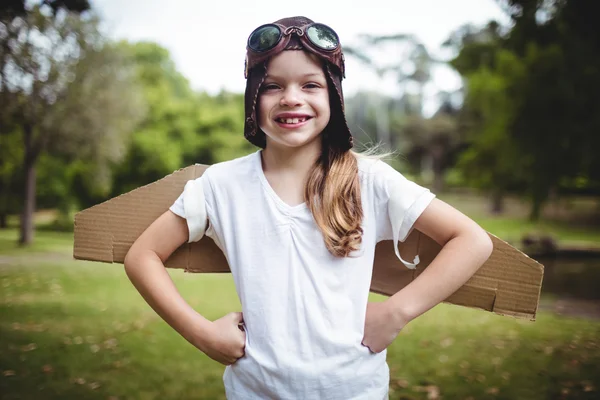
[(225, 341), (381, 326)]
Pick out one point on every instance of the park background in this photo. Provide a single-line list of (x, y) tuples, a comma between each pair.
[(494, 105)]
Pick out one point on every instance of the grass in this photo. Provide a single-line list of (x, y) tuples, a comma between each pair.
[(513, 229), (53, 242), (79, 330), (570, 222)]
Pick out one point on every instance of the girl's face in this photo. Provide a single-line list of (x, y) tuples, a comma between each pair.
[(293, 106)]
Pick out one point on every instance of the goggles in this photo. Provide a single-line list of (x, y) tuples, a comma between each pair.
[(270, 39)]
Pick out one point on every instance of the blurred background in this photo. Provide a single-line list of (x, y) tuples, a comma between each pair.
[(493, 104)]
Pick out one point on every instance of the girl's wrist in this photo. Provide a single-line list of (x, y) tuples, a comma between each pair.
[(400, 313), (198, 331)]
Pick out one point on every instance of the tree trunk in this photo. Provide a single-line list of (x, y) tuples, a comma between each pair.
[(497, 206), (29, 195), (3, 203), (438, 181), (536, 210), (437, 155)]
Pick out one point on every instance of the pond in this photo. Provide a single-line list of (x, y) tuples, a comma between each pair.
[(571, 277)]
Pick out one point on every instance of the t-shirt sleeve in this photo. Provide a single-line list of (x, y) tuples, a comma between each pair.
[(191, 205), (400, 203)]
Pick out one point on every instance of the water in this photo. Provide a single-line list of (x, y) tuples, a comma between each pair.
[(573, 277)]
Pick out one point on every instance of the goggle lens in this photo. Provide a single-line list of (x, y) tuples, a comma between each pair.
[(323, 37), (264, 38)]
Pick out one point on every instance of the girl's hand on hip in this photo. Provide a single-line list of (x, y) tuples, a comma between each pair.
[(226, 341), (381, 326)]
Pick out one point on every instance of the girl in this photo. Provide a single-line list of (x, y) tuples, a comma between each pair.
[(298, 222)]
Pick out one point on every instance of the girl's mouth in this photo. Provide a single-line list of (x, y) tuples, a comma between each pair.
[(292, 122)]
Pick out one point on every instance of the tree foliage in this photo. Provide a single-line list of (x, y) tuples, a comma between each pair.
[(66, 91), (543, 79)]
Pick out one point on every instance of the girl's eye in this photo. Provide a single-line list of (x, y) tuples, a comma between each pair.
[(270, 86), (312, 86)]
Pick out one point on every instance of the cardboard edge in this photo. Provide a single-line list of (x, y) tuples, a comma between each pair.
[(105, 202), (525, 316), (508, 249), (90, 211)]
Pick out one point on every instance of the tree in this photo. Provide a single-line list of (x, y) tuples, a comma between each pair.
[(181, 128), (541, 78), (68, 88), (430, 142), (556, 121)]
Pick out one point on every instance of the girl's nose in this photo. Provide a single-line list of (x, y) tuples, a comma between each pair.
[(290, 97)]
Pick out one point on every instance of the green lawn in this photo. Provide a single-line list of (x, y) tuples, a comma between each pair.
[(79, 330)]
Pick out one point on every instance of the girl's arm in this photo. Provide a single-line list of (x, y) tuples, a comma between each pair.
[(465, 247), (144, 265)]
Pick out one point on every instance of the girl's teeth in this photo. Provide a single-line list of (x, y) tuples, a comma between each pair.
[(293, 120)]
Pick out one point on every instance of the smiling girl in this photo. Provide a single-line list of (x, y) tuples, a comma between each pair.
[(298, 222)]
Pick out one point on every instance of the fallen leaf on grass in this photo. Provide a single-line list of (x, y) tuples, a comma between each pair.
[(588, 386), (94, 385), (29, 347), (8, 372), (403, 383), (47, 368), (499, 344), (139, 324), (433, 392), (493, 390), (80, 381)]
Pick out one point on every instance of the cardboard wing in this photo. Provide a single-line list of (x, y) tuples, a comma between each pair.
[(509, 283)]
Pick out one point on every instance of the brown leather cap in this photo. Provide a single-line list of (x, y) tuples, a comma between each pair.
[(337, 132)]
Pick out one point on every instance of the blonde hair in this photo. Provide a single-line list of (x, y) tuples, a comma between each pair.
[(332, 193)]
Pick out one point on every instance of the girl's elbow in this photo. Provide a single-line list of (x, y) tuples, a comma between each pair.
[(485, 244), (131, 260)]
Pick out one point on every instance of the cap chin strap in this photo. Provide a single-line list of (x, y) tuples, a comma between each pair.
[(396, 213)]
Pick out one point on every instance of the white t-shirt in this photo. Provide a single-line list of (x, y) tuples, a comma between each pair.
[(303, 308)]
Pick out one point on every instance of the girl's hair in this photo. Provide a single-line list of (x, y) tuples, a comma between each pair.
[(333, 195)]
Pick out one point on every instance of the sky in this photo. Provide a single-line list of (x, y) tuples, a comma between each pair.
[(207, 39)]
